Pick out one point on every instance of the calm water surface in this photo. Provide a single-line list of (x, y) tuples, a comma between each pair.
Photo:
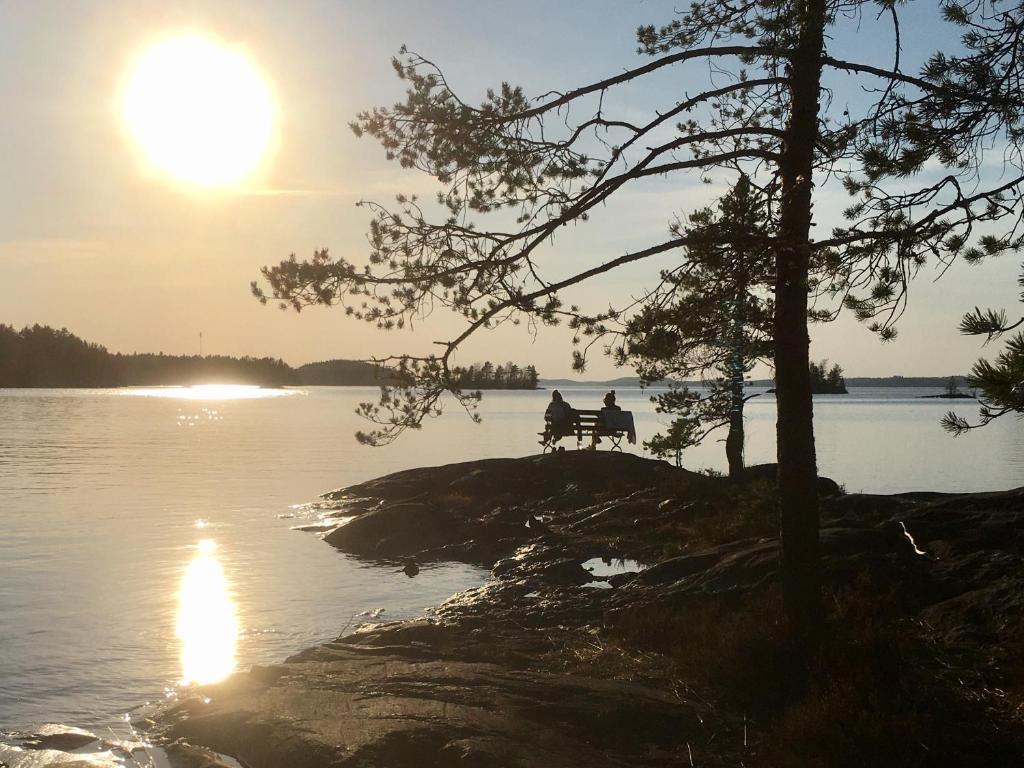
[(139, 525)]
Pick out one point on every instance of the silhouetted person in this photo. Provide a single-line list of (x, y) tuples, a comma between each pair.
[(609, 402), (609, 405), (560, 417)]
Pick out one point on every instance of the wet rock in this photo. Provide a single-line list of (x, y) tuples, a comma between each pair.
[(21, 757), (395, 530), (314, 527), (183, 755), (59, 737)]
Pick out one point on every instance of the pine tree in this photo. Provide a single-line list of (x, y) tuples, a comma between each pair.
[(711, 317), (532, 377), (1001, 383), (764, 110)]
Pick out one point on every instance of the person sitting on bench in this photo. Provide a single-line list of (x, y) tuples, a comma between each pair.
[(609, 405), (609, 402), (559, 415)]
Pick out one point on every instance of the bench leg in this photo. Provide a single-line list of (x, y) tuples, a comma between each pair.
[(548, 441)]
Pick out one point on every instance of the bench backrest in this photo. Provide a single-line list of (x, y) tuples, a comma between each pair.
[(586, 421)]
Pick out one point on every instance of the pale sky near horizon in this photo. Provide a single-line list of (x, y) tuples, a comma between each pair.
[(94, 240)]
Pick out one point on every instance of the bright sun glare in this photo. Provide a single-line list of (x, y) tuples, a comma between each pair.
[(199, 111), (206, 624)]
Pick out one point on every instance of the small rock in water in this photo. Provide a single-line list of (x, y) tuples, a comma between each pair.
[(183, 755), (411, 569), (62, 737), (376, 613), (313, 527), (20, 757)]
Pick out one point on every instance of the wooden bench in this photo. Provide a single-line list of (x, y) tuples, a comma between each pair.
[(584, 424)]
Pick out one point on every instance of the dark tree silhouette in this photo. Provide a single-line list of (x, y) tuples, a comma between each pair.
[(486, 376), (825, 380), (766, 110), (342, 373), (41, 356), (1001, 383), (710, 317)]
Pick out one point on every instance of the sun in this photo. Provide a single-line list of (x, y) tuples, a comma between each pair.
[(200, 112)]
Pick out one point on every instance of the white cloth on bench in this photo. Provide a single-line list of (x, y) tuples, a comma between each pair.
[(619, 421)]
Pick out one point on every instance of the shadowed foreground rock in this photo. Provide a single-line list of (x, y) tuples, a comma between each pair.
[(527, 671), (365, 704)]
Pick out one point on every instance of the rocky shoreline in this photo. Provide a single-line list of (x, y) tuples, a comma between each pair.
[(676, 657)]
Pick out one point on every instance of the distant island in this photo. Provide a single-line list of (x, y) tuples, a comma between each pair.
[(352, 373), (484, 375), (39, 356), (952, 392), (824, 380), (827, 381), (489, 376)]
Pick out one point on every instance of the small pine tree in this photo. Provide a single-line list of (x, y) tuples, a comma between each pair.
[(1001, 383), (711, 317)]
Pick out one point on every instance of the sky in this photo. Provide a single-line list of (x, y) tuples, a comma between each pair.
[(92, 238)]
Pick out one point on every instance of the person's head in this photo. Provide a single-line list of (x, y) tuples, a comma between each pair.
[(609, 399), (556, 396)]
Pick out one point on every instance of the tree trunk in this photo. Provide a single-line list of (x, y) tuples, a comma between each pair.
[(734, 440), (795, 427)]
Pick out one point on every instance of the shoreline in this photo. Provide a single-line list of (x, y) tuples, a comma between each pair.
[(550, 664)]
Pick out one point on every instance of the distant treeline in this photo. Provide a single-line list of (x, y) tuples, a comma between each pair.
[(40, 356), (343, 373), (939, 382), (489, 376)]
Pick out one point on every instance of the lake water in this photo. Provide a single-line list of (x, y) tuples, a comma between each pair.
[(118, 507)]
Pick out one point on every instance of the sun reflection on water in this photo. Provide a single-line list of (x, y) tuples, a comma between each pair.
[(207, 627), (209, 392)]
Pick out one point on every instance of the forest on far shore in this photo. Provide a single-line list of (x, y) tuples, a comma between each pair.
[(41, 356)]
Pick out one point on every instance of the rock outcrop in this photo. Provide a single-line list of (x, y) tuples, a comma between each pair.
[(499, 675)]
